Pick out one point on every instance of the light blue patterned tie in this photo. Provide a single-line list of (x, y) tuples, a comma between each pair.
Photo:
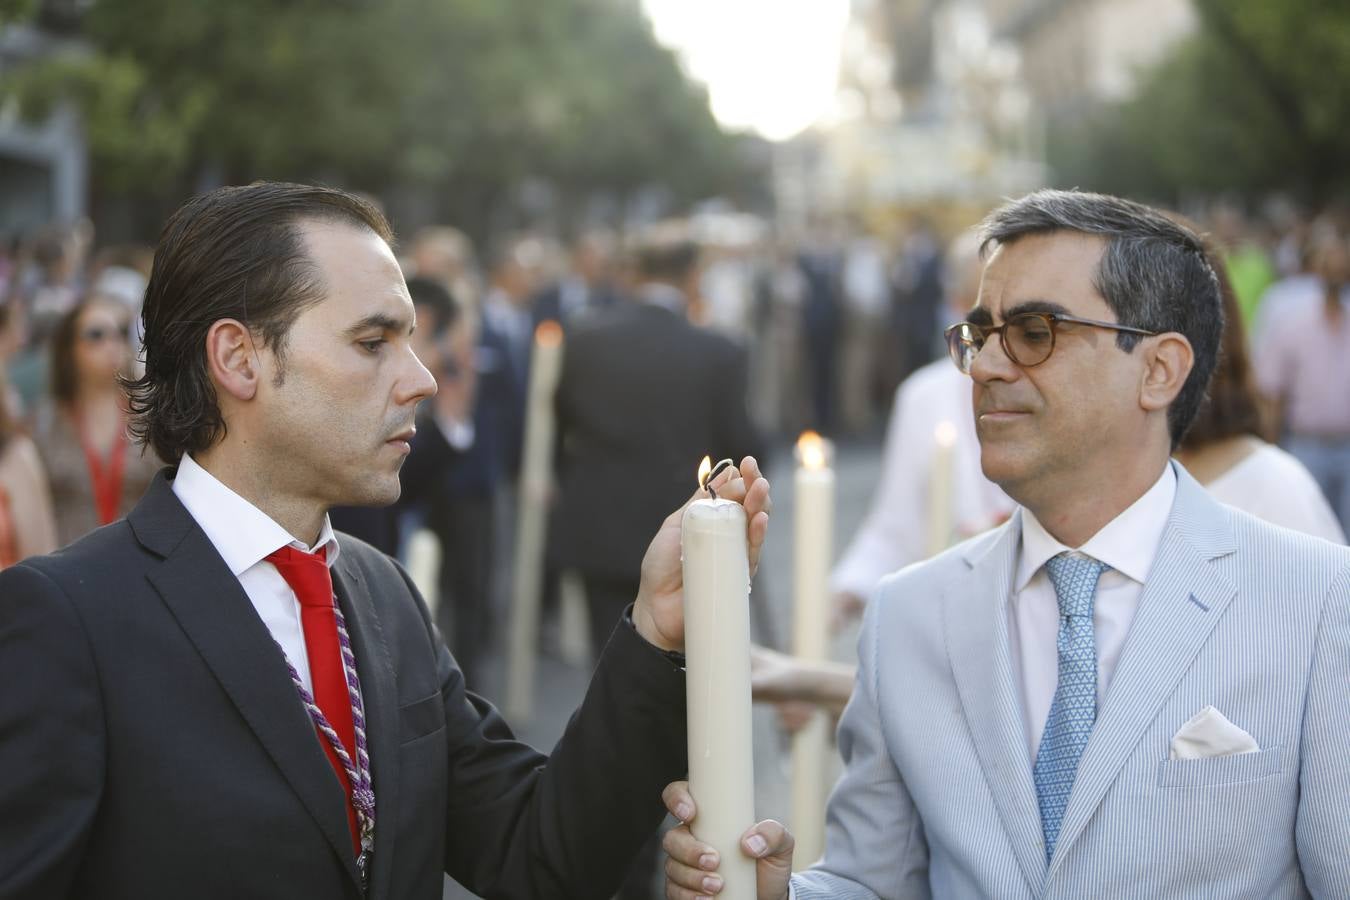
[(1075, 706)]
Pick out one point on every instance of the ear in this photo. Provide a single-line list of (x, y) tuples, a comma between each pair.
[(232, 359), (1168, 363)]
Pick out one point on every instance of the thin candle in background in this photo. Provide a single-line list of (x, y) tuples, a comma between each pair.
[(536, 480), (813, 498), (940, 489)]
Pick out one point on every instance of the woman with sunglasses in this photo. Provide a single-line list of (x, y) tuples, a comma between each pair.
[(26, 524), (96, 473)]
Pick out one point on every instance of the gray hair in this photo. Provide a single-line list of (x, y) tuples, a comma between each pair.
[(1154, 274)]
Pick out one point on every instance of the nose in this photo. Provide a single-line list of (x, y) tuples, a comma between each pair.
[(416, 383), (992, 364)]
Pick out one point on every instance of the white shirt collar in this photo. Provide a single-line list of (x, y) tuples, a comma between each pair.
[(1128, 543), (242, 534), (666, 296)]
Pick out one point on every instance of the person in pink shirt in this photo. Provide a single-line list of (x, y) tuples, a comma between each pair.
[(1303, 364)]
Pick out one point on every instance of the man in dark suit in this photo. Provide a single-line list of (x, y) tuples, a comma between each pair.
[(644, 394), (220, 697)]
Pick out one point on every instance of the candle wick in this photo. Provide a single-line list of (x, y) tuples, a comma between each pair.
[(715, 471)]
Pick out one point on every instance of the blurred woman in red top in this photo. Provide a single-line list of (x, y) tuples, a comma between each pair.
[(97, 474)]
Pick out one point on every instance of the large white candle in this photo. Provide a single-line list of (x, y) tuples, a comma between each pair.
[(813, 498), (717, 660), (536, 479), (940, 489)]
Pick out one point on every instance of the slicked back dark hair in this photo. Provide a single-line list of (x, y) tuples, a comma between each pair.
[(1154, 274), (232, 253)]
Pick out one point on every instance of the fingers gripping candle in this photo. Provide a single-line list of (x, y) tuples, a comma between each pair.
[(717, 660)]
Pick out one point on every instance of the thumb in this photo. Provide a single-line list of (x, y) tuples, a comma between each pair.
[(771, 845)]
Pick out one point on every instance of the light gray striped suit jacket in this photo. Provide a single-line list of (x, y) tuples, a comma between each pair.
[(937, 798)]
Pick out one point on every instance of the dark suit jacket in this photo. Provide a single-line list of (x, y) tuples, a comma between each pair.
[(643, 396), (153, 746), (498, 413)]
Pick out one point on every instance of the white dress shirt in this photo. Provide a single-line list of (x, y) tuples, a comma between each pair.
[(895, 532), (1128, 544), (244, 535), (458, 433)]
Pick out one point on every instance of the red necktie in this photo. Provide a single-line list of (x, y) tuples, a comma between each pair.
[(308, 576)]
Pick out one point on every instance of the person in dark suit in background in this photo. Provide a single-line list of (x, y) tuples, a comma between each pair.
[(451, 474), (586, 288), (643, 396), (218, 697), (506, 340), (822, 314), (642, 390)]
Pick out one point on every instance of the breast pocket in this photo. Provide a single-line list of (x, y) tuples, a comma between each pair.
[(420, 718), (1236, 769)]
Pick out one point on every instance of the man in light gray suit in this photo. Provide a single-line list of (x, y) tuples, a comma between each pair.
[(1127, 690)]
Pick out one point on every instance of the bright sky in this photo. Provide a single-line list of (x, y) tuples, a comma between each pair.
[(770, 65)]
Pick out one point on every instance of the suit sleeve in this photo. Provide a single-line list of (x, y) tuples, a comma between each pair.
[(874, 840), (1323, 829), (522, 826), (51, 737)]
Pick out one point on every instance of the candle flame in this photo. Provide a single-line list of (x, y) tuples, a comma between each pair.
[(811, 450), (548, 334), (704, 470), (945, 435)]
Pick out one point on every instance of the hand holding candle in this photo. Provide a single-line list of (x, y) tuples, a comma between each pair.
[(659, 610)]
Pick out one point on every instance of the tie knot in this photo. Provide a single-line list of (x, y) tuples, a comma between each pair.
[(306, 573), (1075, 581)]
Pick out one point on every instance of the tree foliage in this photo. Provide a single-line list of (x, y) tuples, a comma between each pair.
[(1255, 101), (446, 95)]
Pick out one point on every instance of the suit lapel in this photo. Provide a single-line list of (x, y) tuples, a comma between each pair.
[(380, 697), (1183, 600), (216, 615), (976, 626)]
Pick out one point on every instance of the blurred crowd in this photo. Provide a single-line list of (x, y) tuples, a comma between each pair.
[(759, 338)]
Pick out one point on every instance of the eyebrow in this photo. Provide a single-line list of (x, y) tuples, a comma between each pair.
[(383, 322), (980, 315), (1029, 306)]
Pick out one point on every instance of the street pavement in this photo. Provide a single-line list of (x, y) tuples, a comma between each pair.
[(559, 686)]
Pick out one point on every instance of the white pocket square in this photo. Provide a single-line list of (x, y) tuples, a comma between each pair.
[(1209, 734)]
